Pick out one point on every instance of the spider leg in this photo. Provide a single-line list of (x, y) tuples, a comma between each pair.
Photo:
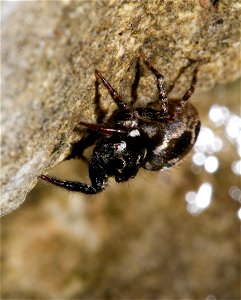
[(102, 129), (135, 83), (98, 178), (79, 147), (191, 90), (115, 96), (181, 71), (76, 186), (99, 112), (162, 94)]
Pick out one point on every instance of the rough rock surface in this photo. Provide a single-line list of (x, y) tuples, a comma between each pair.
[(49, 53), (156, 236)]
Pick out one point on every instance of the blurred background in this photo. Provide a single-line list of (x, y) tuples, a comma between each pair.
[(163, 235)]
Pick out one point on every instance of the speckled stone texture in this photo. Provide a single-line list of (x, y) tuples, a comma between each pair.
[(51, 48), (137, 240)]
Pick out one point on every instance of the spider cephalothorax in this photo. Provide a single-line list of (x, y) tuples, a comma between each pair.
[(153, 137)]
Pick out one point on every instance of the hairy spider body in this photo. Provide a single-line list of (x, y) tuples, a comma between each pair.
[(153, 137), (172, 139)]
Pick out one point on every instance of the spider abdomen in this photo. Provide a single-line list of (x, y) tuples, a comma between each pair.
[(171, 150), (170, 141)]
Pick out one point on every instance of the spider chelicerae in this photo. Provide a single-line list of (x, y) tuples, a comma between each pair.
[(154, 137)]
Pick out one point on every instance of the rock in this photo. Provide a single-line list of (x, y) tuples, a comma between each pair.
[(51, 49)]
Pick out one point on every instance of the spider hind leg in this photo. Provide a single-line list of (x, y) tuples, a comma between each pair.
[(191, 89), (162, 94)]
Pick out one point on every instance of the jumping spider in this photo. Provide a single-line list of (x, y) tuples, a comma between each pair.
[(153, 137)]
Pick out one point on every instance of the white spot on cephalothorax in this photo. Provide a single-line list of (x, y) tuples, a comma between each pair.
[(120, 146), (134, 133)]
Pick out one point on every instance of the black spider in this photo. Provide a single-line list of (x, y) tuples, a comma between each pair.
[(153, 137)]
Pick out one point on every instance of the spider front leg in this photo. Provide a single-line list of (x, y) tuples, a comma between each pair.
[(162, 94), (97, 176), (99, 112), (73, 186), (89, 140)]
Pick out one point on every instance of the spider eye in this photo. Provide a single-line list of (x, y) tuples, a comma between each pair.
[(118, 164)]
